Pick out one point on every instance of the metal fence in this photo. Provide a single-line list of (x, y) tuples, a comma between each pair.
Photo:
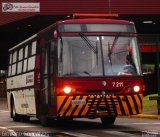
[(150, 48)]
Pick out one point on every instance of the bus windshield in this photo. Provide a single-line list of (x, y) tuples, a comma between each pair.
[(97, 56)]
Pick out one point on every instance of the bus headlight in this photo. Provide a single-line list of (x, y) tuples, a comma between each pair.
[(136, 88), (67, 90)]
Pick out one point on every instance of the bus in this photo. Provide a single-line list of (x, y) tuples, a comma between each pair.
[(85, 67)]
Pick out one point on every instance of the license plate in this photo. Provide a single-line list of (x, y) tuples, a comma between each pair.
[(78, 102)]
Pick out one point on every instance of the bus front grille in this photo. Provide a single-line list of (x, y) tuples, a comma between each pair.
[(98, 105)]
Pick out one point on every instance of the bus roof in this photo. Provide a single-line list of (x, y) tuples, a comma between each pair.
[(18, 45), (96, 20), (76, 21), (90, 21)]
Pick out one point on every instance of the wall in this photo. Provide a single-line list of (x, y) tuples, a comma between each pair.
[(61, 7), (2, 86)]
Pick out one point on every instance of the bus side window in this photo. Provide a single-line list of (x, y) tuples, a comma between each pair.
[(34, 47), (31, 63), (25, 59), (10, 59), (26, 51), (19, 67), (25, 65), (19, 63), (31, 56), (14, 65), (14, 69), (20, 55), (10, 62), (14, 56), (9, 70)]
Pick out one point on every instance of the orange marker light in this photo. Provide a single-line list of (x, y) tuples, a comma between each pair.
[(55, 35), (80, 15), (67, 90), (136, 89)]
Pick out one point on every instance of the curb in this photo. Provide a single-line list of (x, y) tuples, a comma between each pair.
[(145, 116)]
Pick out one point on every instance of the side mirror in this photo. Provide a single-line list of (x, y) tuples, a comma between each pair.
[(55, 35)]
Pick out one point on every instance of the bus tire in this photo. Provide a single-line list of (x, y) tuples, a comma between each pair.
[(26, 118), (14, 115), (108, 120), (44, 120), (65, 119)]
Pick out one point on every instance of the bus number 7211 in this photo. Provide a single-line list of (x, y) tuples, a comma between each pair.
[(117, 84)]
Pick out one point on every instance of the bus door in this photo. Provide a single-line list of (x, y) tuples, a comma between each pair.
[(46, 77)]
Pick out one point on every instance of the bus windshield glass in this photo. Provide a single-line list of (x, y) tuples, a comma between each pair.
[(97, 28), (94, 56)]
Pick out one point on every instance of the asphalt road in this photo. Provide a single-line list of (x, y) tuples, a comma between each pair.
[(123, 127)]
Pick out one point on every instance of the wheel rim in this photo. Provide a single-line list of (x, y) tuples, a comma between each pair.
[(14, 112), (13, 109)]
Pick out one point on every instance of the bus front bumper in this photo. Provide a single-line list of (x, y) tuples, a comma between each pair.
[(99, 106)]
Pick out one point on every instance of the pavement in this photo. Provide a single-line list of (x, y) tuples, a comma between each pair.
[(152, 114), (3, 104)]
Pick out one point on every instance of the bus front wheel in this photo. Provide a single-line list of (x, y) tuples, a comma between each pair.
[(44, 120), (108, 120)]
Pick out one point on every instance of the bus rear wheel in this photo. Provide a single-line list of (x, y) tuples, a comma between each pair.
[(25, 118), (108, 120), (14, 115)]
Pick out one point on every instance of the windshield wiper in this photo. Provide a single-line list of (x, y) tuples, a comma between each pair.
[(90, 45), (88, 42), (110, 49)]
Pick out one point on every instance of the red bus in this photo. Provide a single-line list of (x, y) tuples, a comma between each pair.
[(76, 68)]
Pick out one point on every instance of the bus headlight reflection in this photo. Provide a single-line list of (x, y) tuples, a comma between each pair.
[(136, 88), (67, 90)]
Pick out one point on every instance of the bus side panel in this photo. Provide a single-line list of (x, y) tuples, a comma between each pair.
[(23, 93), (19, 101), (30, 101), (20, 81), (9, 100)]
